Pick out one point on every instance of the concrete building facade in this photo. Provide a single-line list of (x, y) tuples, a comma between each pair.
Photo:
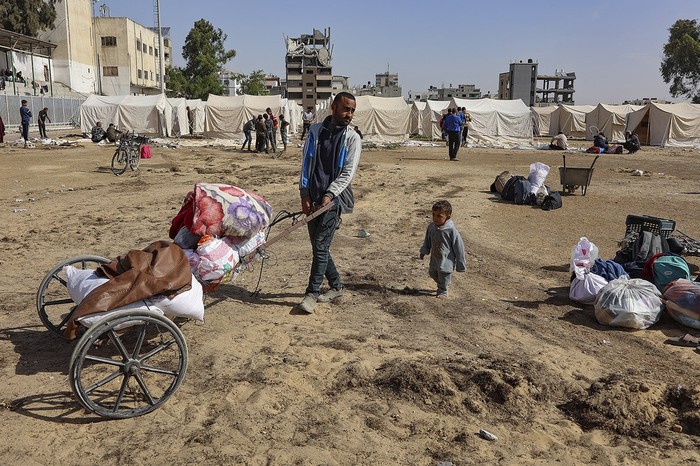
[(309, 73), (524, 82)]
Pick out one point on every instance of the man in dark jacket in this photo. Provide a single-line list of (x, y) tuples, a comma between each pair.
[(26, 116), (453, 128), (631, 142), (330, 158)]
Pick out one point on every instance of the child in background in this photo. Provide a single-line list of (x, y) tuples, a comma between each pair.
[(284, 128), (445, 246)]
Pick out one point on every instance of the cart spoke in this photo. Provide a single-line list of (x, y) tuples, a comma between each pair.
[(144, 388), (103, 382), (60, 279), (58, 301), (118, 344), (120, 396), (159, 370), (162, 347), (111, 362), (139, 342)]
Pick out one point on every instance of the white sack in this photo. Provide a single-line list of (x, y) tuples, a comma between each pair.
[(538, 174), (632, 303), (583, 254), (189, 304), (252, 244), (586, 286)]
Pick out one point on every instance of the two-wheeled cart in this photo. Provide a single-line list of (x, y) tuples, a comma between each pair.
[(129, 362)]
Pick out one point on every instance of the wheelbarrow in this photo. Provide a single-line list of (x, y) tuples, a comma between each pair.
[(571, 178)]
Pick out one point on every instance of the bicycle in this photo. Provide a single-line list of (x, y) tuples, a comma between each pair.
[(128, 153)]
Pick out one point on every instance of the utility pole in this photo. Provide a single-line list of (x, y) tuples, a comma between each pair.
[(161, 67)]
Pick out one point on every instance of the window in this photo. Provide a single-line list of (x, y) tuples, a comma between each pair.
[(156, 51), (110, 71), (151, 75), (309, 71), (309, 96), (139, 73), (109, 41), (138, 45), (150, 50), (309, 84), (145, 48)]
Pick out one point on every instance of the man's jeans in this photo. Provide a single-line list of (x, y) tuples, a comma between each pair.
[(321, 231), (248, 139), (453, 140)]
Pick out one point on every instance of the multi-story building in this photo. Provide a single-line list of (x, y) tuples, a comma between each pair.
[(523, 81), (105, 55), (230, 82), (309, 74), (386, 85), (340, 84), (128, 57), (462, 91), (273, 85)]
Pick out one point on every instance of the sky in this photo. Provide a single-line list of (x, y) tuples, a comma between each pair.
[(615, 47)]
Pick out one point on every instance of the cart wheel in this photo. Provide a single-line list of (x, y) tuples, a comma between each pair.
[(52, 301), (128, 364)]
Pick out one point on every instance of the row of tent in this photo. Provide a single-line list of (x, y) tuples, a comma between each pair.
[(499, 123), (675, 125)]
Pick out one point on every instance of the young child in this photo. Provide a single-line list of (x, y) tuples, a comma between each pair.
[(445, 246)]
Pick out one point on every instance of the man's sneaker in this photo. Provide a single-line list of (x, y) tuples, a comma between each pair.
[(308, 304), (331, 295)]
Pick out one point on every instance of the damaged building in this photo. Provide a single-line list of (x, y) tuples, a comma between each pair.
[(309, 72)]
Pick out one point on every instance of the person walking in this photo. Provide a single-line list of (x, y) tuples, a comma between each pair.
[(284, 127), (329, 161), (43, 116), (26, 116), (247, 132), (453, 128), (307, 118)]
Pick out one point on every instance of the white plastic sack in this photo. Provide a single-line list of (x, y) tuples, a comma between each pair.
[(80, 282), (586, 286), (251, 245), (189, 304), (538, 174), (91, 319), (583, 254), (682, 300), (632, 303)]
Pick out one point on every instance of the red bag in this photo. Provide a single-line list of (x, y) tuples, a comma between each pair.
[(145, 151), (593, 150)]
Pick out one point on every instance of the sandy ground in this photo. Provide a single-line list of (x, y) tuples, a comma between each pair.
[(389, 375)]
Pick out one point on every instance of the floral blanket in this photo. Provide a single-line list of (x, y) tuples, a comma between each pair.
[(223, 210)]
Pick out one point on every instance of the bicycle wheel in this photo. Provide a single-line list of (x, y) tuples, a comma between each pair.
[(120, 161), (134, 158)]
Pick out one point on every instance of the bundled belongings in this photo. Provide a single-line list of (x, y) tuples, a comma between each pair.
[(682, 299), (500, 182), (162, 268), (585, 286), (644, 237), (217, 226), (663, 268), (583, 254), (608, 269), (633, 303)]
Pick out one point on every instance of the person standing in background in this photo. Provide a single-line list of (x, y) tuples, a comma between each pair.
[(26, 116), (43, 116)]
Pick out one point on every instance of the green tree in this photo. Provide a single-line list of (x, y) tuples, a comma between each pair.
[(27, 17), (681, 64), (205, 56), (254, 83)]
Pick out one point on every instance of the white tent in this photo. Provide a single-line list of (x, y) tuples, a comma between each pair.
[(414, 123), (180, 122), (293, 116), (382, 119), (541, 116), (198, 106), (433, 111), (498, 122), (570, 120), (226, 115), (676, 125), (610, 120), (149, 114)]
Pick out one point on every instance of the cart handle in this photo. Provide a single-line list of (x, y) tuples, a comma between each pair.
[(594, 160), (301, 222)]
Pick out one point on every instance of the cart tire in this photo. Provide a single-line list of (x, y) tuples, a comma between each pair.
[(120, 161), (53, 303), (128, 364)]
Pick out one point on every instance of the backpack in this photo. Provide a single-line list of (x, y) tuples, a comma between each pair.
[(552, 201), (665, 268), (522, 189), (508, 193), (500, 182), (646, 245)]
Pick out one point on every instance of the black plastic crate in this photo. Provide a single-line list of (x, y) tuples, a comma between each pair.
[(659, 226)]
